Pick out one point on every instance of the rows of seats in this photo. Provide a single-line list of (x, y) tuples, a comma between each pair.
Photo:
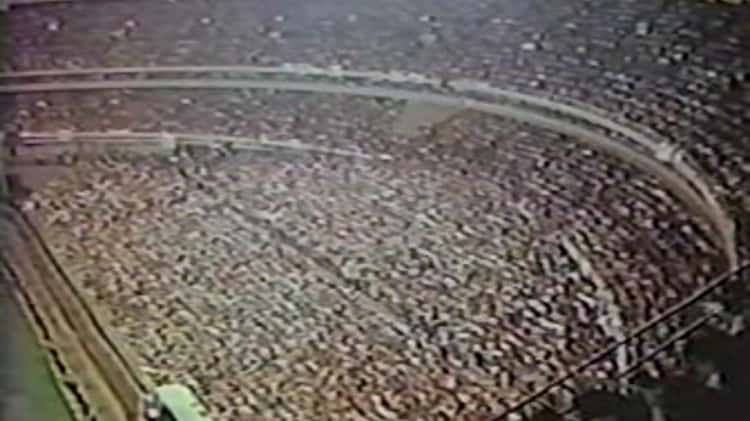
[(436, 285), (440, 272), (686, 48)]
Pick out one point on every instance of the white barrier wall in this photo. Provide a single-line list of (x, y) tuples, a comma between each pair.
[(49, 146)]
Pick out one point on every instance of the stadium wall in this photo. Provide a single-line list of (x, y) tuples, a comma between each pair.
[(99, 380)]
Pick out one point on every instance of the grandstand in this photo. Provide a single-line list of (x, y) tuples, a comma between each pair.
[(433, 211)]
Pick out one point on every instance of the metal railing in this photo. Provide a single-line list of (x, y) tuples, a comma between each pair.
[(727, 289)]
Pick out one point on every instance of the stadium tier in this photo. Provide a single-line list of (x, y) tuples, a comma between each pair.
[(386, 249)]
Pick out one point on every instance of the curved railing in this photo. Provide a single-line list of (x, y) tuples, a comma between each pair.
[(688, 311), (581, 125), (577, 123), (712, 291)]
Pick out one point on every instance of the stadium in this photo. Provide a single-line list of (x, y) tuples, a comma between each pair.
[(429, 210)]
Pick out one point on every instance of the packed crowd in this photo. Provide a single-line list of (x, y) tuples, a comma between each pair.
[(444, 283), (432, 285), (678, 68)]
